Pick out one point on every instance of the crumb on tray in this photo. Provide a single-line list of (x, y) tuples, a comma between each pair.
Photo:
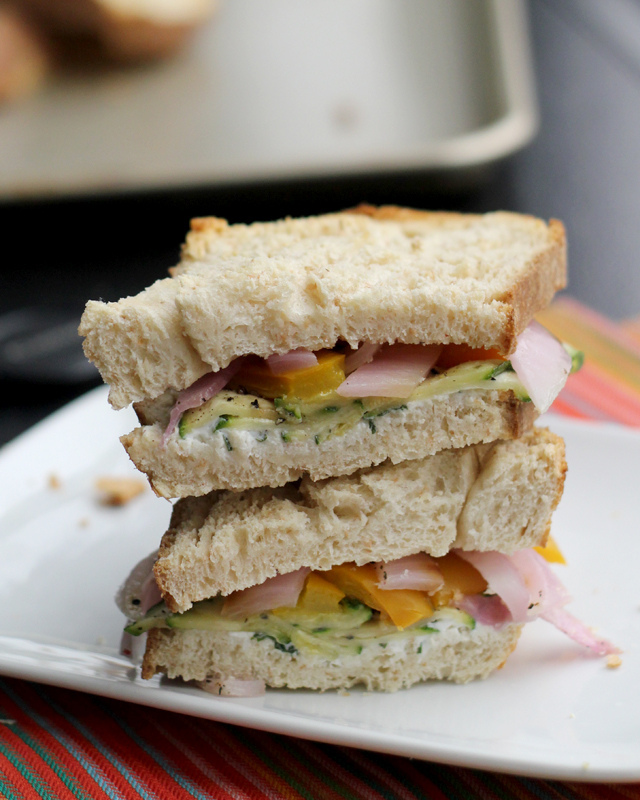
[(613, 661), (118, 491), (53, 481)]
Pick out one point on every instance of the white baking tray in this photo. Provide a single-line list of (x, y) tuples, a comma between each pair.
[(281, 89)]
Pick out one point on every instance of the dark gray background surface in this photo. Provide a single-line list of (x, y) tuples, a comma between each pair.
[(584, 166)]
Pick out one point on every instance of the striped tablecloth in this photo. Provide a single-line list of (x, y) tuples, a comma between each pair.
[(56, 743)]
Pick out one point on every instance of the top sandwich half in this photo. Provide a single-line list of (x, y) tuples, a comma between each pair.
[(383, 275), (324, 345)]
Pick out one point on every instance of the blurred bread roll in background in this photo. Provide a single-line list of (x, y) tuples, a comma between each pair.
[(126, 30), (38, 36), (24, 60)]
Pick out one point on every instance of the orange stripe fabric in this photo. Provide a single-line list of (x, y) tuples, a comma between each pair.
[(632, 328), (604, 343), (607, 388)]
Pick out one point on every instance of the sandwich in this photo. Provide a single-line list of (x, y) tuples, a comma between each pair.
[(325, 345), (343, 407), (395, 574)]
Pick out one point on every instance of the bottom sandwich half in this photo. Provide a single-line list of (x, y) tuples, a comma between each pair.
[(384, 625), (393, 575)]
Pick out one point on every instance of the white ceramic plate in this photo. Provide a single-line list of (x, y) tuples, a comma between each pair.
[(553, 711)]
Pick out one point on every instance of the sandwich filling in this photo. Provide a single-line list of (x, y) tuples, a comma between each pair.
[(302, 395), (338, 612)]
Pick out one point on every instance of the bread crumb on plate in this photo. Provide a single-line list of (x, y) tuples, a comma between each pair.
[(117, 491), (54, 482)]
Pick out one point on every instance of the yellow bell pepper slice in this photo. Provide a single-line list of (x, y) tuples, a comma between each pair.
[(319, 596), (402, 606), (460, 577), (303, 384), (551, 552)]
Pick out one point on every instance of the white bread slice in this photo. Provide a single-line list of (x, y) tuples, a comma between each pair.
[(487, 497), (458, 655), (378, 275), (193, 467)]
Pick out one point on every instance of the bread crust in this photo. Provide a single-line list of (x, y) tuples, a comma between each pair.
[(533, 291), (462, 498), (455, 655), (272, 287)]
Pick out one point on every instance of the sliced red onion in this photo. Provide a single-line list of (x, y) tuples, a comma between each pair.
[(279, 592), (198, 393), (126, 644), (395, 371), (504, 579), (363, 355), (486, 609), (128, 595), (418, 571), (578, 631), (541, 364), (149, 594), (233, 687), (293, 360), (546, 590), (133, 647), (545, 595), (548, 596)]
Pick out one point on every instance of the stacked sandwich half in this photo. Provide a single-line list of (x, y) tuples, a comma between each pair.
[(344, 407)]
